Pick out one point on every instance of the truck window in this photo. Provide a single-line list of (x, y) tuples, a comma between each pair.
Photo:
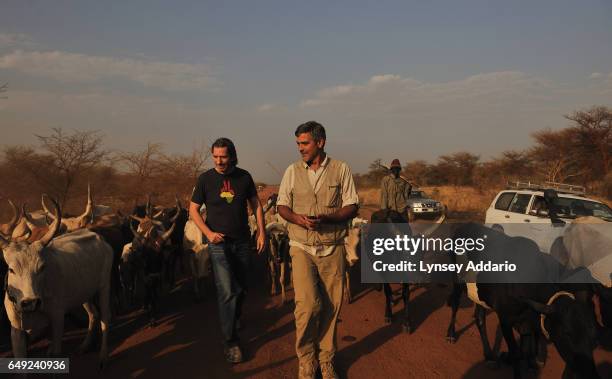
[(503, 201), (519, 203)]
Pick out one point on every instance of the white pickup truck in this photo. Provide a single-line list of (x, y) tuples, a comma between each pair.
[(523, 212)]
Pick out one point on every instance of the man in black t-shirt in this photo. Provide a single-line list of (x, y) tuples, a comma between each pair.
[(226, 190)]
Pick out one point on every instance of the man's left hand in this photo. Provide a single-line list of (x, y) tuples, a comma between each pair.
[(261, 241)]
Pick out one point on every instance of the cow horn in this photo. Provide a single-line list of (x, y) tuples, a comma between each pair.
[(89, 207), (135, 232), (136, 218), (14, 221), (178, 211), (168, 233), (29, 221), (44, 206), (54, 228), (148, 207), (16, 216), (158, 214)]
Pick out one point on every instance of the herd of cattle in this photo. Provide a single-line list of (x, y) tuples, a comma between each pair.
[(53, 264), (101, 259)]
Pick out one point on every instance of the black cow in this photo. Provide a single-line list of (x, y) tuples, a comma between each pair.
[(388, 216), (147, 217), (117, 236), (570, 322), (149, 251), (168, 216), (279, 260)]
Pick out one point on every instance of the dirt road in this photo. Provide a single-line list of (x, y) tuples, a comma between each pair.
[(186, 343)]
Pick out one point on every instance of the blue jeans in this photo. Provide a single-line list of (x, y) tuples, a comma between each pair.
[(230, 262)]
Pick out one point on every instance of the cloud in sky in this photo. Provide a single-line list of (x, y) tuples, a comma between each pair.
[(11, 40), (82, 68), (267, 107), (485, 113), (596, 75), (397, 94)]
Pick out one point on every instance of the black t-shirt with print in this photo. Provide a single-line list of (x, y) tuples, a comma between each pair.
[(226, 199)]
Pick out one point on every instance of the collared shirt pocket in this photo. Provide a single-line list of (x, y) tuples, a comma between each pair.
[(334, 196)]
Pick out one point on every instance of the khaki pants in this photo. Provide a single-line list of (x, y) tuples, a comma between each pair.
[(318, 283)]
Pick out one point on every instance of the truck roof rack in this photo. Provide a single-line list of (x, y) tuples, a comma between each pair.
[(559, 187)]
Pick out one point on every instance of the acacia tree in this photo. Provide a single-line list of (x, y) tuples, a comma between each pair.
[(25, 171), (554, 155), (417, 171), (593, 135), (143, 164), (73, 155), (182, 170), (456, 169), (513, 164)]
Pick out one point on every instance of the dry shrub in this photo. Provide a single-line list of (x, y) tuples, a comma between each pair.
[(369, 196)]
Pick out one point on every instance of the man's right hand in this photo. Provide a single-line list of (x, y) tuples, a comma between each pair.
[(308, 223), (214, 237)]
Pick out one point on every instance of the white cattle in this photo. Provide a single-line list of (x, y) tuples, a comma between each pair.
[(587, 242), (351, 244), (48, 277), (195, 248)]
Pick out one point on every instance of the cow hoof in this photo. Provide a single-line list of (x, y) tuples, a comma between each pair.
[(387, 320), (451, 339), (407, 328)]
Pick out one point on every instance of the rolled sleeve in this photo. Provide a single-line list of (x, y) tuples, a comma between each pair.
[(349, 193), (285, 196)]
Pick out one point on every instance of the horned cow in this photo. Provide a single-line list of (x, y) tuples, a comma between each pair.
[(568, 321), (49, 276)]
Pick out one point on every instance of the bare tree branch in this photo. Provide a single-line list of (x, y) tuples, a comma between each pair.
[(73, 155)]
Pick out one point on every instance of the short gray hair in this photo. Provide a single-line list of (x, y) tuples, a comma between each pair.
[(316, 130)]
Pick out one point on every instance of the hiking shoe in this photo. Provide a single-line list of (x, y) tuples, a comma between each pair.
[(307, 370), (233, 354), (327, 371)]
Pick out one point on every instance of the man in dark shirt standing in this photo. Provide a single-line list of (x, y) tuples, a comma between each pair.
[(226, 190)]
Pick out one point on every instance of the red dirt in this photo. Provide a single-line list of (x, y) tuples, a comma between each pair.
[(187, 342)]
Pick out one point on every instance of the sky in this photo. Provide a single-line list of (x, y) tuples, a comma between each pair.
[(388, 79)]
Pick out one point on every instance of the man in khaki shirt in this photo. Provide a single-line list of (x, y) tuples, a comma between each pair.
[(395, 190), (317, 197)]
